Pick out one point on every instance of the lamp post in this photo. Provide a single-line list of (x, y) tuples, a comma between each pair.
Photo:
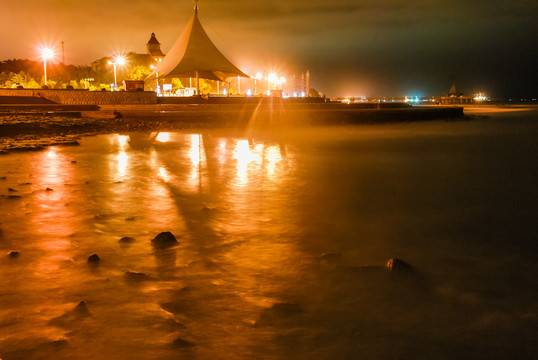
[(257, 77), (86, 82), (153, 67), (282, 81), (270, 79), (118, 60), (47, 54)]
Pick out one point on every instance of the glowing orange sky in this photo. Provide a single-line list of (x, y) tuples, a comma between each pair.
[(351, 47)]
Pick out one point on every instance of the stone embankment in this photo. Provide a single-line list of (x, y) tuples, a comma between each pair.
[(76, 97)]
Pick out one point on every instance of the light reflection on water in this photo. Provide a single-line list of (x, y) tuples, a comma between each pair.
[(254, 218)]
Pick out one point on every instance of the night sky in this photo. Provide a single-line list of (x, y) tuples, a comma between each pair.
[(351, 47)]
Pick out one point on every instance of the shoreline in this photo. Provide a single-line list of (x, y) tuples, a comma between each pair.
[(33, 127)]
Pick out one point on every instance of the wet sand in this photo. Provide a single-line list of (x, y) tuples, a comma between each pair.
[(283, 239)]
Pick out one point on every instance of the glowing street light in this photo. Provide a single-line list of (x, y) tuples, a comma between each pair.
[(118, 60), (46, 53)]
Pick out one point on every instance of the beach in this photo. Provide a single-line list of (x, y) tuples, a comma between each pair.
[(283, 235)]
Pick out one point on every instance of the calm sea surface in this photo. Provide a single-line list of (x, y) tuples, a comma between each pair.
[(283, 241)]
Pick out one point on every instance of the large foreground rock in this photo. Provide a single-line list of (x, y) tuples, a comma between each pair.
[(164, 240), (396, 265)]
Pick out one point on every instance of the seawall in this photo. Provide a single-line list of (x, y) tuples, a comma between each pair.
[(77, 97)]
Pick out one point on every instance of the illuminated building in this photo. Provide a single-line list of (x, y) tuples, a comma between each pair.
[(154, 47)]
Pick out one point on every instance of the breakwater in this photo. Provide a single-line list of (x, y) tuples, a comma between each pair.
[(145, 108)]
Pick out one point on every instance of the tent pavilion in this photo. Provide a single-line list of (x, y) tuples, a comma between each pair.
[(195, 55)]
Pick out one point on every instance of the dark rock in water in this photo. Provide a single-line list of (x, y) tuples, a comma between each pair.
[(137, 277), (398, 266), (331, 257), (25, 184), (11, 190), (3, 178), (81, 310), (72, 317), (285, 309), (94, 259), (73, 161), (14, 254), (127, 240), (13, 197), (132, 218), (59, 343), (170, 325), (49, 189), (180, 343), (164, 240), (278, 313)]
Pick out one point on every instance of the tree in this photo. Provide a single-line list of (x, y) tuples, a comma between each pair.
[(205, 88), (51, 83), (32, 84), (176, 84), (138, 72), (18, 79)]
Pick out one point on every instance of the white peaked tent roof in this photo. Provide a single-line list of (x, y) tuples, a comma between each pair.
[(195, 52)]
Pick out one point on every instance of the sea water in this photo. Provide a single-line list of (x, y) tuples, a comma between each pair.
[(283, 240)]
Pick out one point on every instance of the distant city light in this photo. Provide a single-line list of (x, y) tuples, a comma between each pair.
[(480, 97)]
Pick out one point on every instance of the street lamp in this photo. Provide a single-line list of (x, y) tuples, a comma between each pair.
[(153, 67), (257, 77), (86, 82), (46, 53), (118, 60), (270, 79)]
